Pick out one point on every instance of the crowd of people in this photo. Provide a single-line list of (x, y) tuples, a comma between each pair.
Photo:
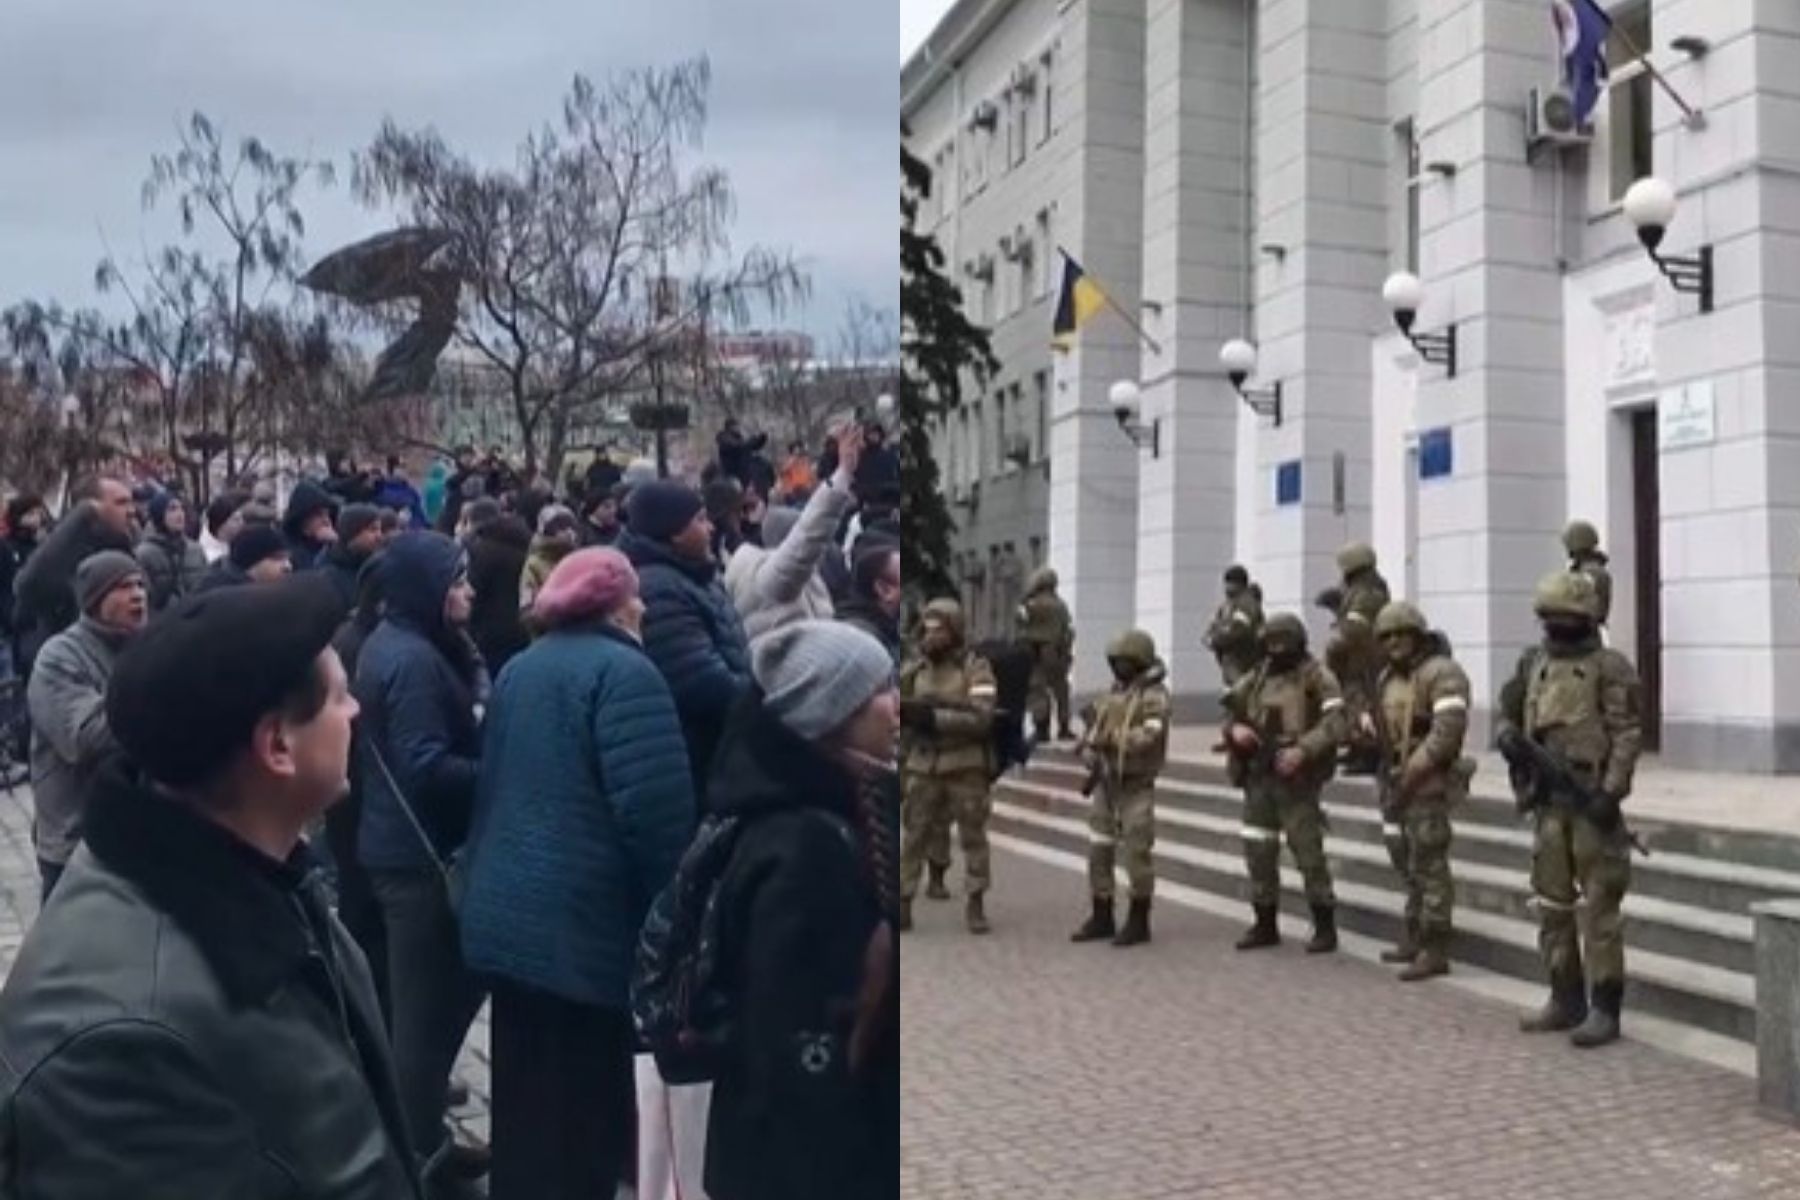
[(314, 782)]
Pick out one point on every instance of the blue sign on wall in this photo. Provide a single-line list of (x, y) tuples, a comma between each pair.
[(1437, 457), (1287, 483)]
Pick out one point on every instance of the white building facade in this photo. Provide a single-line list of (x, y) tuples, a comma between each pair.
[(1257, 169)]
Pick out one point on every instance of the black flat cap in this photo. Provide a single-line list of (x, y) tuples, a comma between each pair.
[(188, 691)]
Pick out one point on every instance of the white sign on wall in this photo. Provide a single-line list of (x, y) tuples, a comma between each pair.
[(1684, 416), (1631, 347)]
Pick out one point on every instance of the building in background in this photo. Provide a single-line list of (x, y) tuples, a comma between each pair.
[(1258, 169)]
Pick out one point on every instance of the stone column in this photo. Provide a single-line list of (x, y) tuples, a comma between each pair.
[(1321, 174), (1778, 1006), (1489, 263), (1093, 467), (1196, 149)]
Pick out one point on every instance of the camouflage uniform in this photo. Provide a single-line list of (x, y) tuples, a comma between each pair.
[(947, 709), (1580, 701), (1353, 654), (1582, 541), (1045, 625), (1424, 717), (1125, 747), (1235, 635), (1291, 701)]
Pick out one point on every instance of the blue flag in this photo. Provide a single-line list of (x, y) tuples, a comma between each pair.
[(1582, 27)]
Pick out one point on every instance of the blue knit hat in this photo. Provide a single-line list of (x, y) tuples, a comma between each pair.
[(662, 508)]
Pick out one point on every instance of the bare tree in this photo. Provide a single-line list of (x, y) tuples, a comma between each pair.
[(567, 259)]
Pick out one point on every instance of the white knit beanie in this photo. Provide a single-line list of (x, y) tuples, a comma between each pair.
[(816, 675)]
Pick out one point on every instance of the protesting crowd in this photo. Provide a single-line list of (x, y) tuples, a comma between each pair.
[(315, 780)]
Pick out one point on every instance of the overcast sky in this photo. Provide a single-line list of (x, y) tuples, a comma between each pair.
[(917, 17), (804, 112)]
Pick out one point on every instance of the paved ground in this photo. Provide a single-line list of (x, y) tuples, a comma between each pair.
[(1036, 1068)]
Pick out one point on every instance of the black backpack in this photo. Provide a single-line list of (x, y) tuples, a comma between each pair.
[(683, 1012)]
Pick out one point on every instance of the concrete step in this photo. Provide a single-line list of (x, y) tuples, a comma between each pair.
[(1491, 805), (1704, 882), (1703, 935), (1690, 991)]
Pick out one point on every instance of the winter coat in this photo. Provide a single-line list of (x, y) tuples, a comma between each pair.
[(878, 472), (693, 635), (418, 686), (546, 552), (173, 567), (436, 479), (15, 552), (583, 810), (67, 701), (777, 587), (401, 496), (866, 615), (799, 904), (497, 554), (735, 451), (44, 593), (223, 573), (307, 499), (341, 565), (187, 1018)]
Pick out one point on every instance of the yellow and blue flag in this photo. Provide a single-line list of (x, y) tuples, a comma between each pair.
[(1582, 27), (1079, 300)]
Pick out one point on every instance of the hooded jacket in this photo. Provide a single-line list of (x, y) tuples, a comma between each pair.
[(418, 682), (497, 554), (187, 1018), (693, 635), (790, 1119), (307, 499)]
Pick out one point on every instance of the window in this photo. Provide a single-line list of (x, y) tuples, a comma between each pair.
[(1000, 405), (1045, 83), (1016, 138), (1406, 157), (1028, 288), (1041, 386), (1048, 249), (973, 430), (1629, 104)]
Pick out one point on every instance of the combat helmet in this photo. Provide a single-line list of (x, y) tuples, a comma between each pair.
[(1580, 537), (1400, 616), (947, 610), (1133, 646), (1567, 594), (1041, 580), (1284, 628), (1357, 556)]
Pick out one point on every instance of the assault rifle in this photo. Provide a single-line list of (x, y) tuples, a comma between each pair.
[(1542, 778), (1271, 738)]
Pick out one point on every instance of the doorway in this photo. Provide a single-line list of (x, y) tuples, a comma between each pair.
[(1646, 493)]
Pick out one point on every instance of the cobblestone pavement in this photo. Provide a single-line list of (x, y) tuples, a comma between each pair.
[(1036, 1068)]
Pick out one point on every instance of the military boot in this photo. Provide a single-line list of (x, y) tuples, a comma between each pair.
[(935, 889), (1040, 732), (1566, 1008), (1065, 734), (1137, 924), (1324, 936), (1099, 926), (974, 916), (1264, 932), (1602, 1024), (906, 915), (1408, 947), (1432, 960)]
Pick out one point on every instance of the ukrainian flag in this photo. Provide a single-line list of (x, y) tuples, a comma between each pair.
[(1079, 299)]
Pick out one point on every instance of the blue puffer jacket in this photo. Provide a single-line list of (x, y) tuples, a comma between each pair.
[(693, 635), (583, 811), (418, 683)]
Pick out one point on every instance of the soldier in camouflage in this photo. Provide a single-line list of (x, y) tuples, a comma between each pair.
[(1125, 749), (1582, 541), (1235, 635), (1045, 626), (1580, 702), (1352, 654), (1286, 720), (946, 711), (1421, 718)]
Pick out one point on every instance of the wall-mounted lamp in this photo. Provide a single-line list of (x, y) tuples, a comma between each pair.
[(1650, 206), (1124, 398), (1405, 295), (1445, 170), (1238, 357), (1693, 47), (1274, 250)]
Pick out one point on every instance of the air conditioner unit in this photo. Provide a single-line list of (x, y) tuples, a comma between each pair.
[(1550, 118), (1006, 247), (982, 268), (985, 116), (1018, 449), (1024, 79)]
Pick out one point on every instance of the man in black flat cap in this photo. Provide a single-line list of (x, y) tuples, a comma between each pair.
[(187, 1018)]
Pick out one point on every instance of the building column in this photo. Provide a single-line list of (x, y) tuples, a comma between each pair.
[(1196, 291), (1321, 169), (1093, 467)]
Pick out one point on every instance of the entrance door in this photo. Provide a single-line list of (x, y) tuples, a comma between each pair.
[(1646, 518)]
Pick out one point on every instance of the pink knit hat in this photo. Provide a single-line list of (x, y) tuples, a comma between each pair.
[(584, 586)]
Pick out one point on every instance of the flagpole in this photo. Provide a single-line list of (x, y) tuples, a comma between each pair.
[(1689, 113), (1155, 346)]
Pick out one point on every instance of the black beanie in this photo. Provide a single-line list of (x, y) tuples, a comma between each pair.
[(355, 519), (662, 509), (255, 543)]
